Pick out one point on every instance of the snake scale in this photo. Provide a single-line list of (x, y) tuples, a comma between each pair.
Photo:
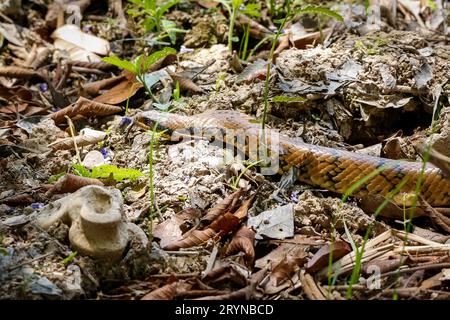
[(328, 168)]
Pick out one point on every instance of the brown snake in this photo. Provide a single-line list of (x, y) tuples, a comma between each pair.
[(332, 169)]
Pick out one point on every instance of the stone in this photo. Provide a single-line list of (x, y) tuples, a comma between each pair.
[(98, 226)]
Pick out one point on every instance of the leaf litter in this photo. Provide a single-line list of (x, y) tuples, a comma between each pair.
[(205, 226)]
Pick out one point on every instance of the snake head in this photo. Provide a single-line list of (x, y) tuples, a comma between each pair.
[(161, 121)]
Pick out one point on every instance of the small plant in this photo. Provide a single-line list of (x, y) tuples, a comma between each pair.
[(177, 92), (106, 171), (289, 15), (234, 7), (235, 182), (69, 258), (153, 12), (141, 65), (3, 251)]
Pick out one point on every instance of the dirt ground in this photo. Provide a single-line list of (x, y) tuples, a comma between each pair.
[(96, 203)]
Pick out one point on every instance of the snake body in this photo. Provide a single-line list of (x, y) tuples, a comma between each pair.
[(328, 168)]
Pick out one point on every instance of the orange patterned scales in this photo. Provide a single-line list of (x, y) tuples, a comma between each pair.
[(328, 168)]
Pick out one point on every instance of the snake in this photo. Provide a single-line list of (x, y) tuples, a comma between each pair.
[(332, 169)]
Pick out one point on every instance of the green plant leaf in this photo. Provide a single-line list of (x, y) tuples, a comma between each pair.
[(69, 258), (123, 64), (321, 10), (55, 177), (166, 6), (252, 9), (81, 170), (118, 174), (164, 52), (288, 99)]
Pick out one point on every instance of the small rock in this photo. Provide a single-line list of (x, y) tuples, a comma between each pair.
[(275, 224), (93, 159)]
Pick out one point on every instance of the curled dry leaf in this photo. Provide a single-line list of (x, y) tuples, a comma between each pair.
[(287, 267), (71, 183), (19, 72), (185, 83), (93, 88), (193, 238), (163, 62), (120, 92), (380, 266), (85, 107), (320, 260), (86, 138), (242, 212), (257, 30), (243, 241), (72, 34), (100, 65), (171, 230), (168, 292), (225, 274), (227, 204), (225, 223)]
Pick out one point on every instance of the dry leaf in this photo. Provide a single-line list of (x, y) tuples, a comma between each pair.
[(227, 204), (381, 266), (93, 88), (120, 92), (71, 183), (19, 73), (243, 241), (225, 274), (225, 223), (72, 34), (185, 83), (85, 107), (171, 230), (241, 213), (257, 30), (285, 270), (168, 292), (193, 238), (87, 137), (320, 259)]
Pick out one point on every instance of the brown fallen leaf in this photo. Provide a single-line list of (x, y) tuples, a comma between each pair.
[(287, 267), (19, 72), (168, 292), (71, 183), (193, 238), (242, 212), (86, 138), (225, 224), (257, 30), (93, 88), (85, 107), (339, 248), (186, 84), (100, 65), (171, 230), (225, 274), (120, 92), (381, 265), (227, 204), (243, 241)]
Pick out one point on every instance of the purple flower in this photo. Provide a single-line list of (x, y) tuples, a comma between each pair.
[(37, 205), (294, 196), (183, 49), (104, 152), (43, 87), (242, 7), (125, 121)]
